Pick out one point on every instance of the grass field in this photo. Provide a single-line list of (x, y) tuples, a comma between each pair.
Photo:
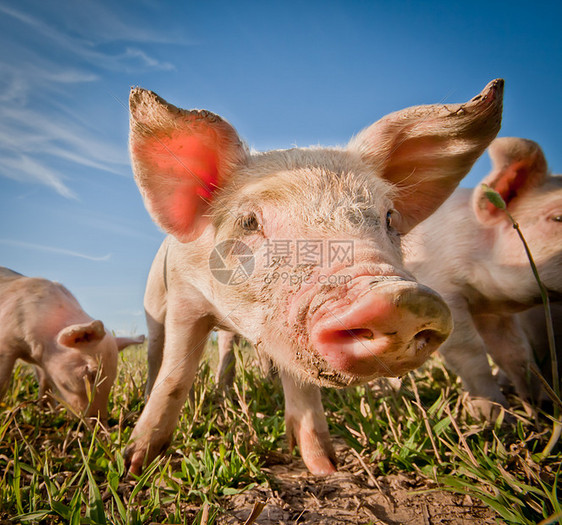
[(407, 455)]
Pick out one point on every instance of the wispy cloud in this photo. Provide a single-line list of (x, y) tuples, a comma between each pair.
[(52, 249), (121, 25), (31, 131), (22, 167), (30, 141), (145, 59), (20, 80), (85, 47), (46, 124)]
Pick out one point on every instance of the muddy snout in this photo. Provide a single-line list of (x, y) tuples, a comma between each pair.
[(387, 328)]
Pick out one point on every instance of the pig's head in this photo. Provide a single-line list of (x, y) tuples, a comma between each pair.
[(534, 199), (299, 250), (82, 364)]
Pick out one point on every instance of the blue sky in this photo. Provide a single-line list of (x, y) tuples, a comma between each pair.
[(283, 73)]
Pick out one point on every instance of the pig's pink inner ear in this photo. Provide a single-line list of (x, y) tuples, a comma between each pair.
[(425, 151), (518, 166), (180, 158), (184, 173), (79, 335)]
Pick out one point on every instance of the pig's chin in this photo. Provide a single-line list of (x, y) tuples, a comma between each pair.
[(313, 368), (326, 376), (309, 366)]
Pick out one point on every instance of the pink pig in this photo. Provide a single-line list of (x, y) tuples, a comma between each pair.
[(43, 324), (297, 250), (470, 253)]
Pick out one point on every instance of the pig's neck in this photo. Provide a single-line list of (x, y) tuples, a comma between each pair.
[(493, 282)]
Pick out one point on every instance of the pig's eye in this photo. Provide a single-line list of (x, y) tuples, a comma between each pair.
[(557, 218), (250, 223), (389, 218), (393, 222)]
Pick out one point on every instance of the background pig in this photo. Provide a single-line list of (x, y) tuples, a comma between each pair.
[(226, 367), (43, 324), (533, 322), (469, 252), (237, 222)]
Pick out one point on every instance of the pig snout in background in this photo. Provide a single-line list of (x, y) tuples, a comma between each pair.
[(43, 324), (250, 245), (483, 272), (533, 322)]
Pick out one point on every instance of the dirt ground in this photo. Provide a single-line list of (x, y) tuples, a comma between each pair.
[(352, 496)]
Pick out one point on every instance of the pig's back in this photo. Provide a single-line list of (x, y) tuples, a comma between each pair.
[(10, 296), (33, 301)]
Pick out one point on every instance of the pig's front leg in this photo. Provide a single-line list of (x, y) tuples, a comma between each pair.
[(307, 425), (45, 385), (7, 361), (155, 351), (184, 345), (227, 362), (465, 354), (45, 388), (507, 344)]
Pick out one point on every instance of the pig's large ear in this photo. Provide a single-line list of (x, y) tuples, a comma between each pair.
[(79, 335), (425, 151), (518, 165), (124, 342), (180, 158)]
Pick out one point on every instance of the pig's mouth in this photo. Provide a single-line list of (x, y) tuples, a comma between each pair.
[(377, 326)]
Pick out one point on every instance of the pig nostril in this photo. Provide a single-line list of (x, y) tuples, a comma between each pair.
[(358, 333), (425, 338)]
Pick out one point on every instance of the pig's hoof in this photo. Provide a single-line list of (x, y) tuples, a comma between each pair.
[(134, 459), (488, 410), (320, 466), (138, 455), (317, 451)]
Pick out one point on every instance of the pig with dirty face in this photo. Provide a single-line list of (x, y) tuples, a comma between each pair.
[(323, 321), (483, 271), (43, 324)]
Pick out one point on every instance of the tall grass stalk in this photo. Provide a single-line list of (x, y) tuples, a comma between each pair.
[(496, 199)]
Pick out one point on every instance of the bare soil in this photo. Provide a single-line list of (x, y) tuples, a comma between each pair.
[(352, 496)]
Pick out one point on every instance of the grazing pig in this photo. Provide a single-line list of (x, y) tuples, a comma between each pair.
[(43, 324), (297, 250), (470, 253)]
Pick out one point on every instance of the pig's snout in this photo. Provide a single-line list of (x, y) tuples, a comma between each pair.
[(390, 328)]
